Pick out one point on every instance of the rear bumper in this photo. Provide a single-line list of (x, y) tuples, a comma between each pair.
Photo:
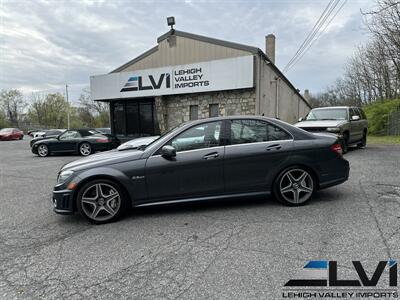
[(336, 175), (104, 146), (63, 202)]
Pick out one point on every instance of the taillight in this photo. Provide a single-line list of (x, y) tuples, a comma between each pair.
[(102, 140), (337, 148)]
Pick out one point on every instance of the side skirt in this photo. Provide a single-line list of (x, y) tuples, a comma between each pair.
[(203, 199)]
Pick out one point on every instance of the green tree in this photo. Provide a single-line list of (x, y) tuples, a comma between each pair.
[(3, 120), (12, 105), (49, 111), (378, 113)]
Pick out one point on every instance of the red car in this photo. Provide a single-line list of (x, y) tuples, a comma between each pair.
[(8, 134)]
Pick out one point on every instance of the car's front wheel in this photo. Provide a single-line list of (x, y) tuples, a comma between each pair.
[(294, 186), (101, 201), (43, 150), (85, 149)]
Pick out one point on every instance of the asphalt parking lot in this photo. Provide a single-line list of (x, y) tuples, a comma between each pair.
[(237, 249)]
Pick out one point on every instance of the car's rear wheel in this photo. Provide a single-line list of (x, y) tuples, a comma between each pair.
[(294, 186), (85, 149), (101, 201), (43, 150), (363, 142)]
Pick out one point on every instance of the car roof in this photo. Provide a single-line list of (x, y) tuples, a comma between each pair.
[(330, 107), (200, 121)]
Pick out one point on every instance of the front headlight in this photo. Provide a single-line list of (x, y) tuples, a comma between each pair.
[(333, 129), (63, 176)]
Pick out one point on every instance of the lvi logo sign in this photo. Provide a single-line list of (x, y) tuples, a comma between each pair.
[(135, 83), (322, 269)]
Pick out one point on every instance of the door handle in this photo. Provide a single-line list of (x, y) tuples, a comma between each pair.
[(274, 146), (211, 155)]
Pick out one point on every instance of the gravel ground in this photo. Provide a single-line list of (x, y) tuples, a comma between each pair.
[(236, 249)]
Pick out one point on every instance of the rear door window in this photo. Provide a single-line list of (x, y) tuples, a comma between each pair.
[(255, 131)]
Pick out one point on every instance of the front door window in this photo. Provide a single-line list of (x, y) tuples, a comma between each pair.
[(69, 135), (198, 137)]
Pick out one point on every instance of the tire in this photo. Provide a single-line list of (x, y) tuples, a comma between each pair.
[(43, 150), (21, 137), (363, 142), (101, 201), (294, 186), (345, 143), (85, 149)]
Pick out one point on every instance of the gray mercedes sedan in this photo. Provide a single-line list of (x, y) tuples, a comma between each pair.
[(207, 159)]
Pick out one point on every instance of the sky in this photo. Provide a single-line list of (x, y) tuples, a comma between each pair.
[(47, 44)]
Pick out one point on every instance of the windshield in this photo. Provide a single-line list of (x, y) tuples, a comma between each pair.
[(6, 130), (327, 114)]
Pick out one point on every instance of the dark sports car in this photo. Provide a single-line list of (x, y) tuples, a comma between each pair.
[(79, 141), (201, 160)]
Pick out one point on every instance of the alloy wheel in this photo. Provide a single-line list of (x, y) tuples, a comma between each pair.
[(43, 150), (100, 202), (85, 149), (296, 186)]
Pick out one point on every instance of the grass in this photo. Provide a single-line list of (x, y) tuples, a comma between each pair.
[(385, 139)]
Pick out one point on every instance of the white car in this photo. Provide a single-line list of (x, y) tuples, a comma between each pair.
[(136, 143), (39, 134)]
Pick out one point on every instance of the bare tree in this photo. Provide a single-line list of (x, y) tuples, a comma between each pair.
[(373, 72), (94, 113)]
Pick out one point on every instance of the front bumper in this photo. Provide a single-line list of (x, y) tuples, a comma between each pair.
[(63, 202)]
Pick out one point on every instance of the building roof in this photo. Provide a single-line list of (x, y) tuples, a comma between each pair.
[(251, 49)]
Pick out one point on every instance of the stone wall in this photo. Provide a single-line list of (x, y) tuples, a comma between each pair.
[(175, 109)]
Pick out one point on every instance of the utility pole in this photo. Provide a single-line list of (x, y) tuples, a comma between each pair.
[(68, 110)]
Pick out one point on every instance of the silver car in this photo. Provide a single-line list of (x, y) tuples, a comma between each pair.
[(350, 123)]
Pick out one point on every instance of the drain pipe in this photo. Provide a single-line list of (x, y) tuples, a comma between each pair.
[(277, 85)]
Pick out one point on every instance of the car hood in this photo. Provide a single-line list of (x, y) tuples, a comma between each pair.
[(103, 158), (5, 133), (320, 123)]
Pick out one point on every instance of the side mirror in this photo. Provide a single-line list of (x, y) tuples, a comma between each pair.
[(301, 119), (168, 152), (355, 118)]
